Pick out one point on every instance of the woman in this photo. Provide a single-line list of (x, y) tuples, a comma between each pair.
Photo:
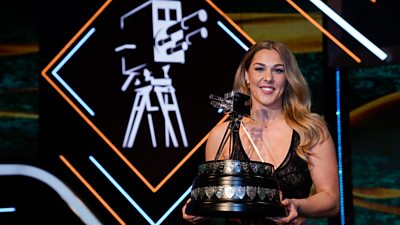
[(284, 133)]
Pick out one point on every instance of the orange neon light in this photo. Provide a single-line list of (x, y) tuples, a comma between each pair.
[(231, 21), (115, 149), (187, 157), (329, 35), (44, 74), (91, 189), (87, 120), (99, 133), (68, 45)]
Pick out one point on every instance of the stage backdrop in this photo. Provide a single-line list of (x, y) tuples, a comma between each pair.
[(97, 57), (125, 108)]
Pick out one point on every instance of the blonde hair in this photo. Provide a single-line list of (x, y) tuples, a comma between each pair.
[(296, 98)]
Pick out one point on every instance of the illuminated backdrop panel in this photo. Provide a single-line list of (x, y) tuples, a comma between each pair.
[(132, 110)]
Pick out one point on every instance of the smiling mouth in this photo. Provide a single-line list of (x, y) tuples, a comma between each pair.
[(267, 89)]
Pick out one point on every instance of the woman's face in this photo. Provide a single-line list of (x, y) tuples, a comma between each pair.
[(267, 78)]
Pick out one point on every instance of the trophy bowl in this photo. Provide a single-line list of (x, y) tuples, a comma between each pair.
[(235, 188)]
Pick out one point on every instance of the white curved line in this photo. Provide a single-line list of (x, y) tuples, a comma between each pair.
[(76, 205)]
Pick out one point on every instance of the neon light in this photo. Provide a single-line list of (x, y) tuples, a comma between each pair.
[(91, 124), (129, 198), (324, 31), (347, 27), (166, 214), (73, 201), (91, 189), (233, 36), (9, 209), (339, 141), (229, 20), (62, 63)]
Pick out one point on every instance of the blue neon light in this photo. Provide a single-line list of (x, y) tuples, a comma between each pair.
[(9, 209), (233, 35), (347, 27), (65, 60), (166, 214), (129, 198), (339, 140)]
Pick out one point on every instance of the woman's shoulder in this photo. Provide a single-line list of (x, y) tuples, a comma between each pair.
[(219, 128), (321, 125), (214, 139)]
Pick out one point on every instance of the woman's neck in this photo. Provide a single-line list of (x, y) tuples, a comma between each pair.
[(266, 116)]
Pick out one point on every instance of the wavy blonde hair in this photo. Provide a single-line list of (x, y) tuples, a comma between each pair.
[(296, 98)]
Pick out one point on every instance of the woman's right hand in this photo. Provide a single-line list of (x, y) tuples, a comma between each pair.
[(191, 218)]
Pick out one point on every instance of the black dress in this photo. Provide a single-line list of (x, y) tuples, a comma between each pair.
[(294, 180)]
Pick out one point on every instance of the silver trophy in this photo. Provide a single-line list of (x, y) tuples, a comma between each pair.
[(236, 187)]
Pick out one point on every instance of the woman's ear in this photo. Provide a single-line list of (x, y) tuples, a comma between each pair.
[(246, 77)]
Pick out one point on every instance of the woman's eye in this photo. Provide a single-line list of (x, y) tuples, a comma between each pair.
[(278, 70), (259, 69)]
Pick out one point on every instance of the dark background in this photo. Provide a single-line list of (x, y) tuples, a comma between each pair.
[(37, 126)]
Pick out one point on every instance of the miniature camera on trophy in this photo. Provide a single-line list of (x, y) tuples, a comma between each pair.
[(232, 102), (238, 186)]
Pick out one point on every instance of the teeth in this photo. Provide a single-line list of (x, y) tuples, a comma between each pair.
[(267, 89)]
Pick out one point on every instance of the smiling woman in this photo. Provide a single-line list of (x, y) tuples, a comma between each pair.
[(282, 131)]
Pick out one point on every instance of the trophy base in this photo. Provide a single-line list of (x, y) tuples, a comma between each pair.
[(235, 209), (235, 188)]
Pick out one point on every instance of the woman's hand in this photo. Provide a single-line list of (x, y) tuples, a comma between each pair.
[(191, 218), (292, 209)]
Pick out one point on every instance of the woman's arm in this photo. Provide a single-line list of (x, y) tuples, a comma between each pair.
[(324, 173), (212, 145), (214, 140)]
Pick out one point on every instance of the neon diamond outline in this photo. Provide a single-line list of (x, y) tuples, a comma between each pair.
[(76, 39)]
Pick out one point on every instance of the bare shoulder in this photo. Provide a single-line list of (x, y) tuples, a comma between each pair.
[(214, 139), (322, 126), (325, 149), (219, 128)]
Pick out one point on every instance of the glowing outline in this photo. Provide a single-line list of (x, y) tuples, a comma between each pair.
[(62, 63), (91, 124), (91, 189), (339, 141), (349, 29), (232, 35), (130, 199), (8, 209), (324, 31), (73, 201)]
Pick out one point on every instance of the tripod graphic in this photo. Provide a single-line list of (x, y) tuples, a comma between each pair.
[(173, 34), (164, 92)]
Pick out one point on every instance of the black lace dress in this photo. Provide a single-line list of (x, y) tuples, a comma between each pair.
[(294, 180)]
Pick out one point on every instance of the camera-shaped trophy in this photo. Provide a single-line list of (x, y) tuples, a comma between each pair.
[(236, 187)]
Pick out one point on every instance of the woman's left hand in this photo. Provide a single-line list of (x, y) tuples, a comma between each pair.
[(292, 213)]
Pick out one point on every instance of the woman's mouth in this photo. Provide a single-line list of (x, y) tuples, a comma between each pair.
[(267, 90)]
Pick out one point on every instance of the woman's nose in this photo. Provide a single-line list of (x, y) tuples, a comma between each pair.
[(268, 75)]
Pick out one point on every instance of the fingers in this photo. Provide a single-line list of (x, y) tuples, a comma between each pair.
[(197, 219), (184, 215), (191, 218), (285, 202), (284, 221), (292, 214)]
